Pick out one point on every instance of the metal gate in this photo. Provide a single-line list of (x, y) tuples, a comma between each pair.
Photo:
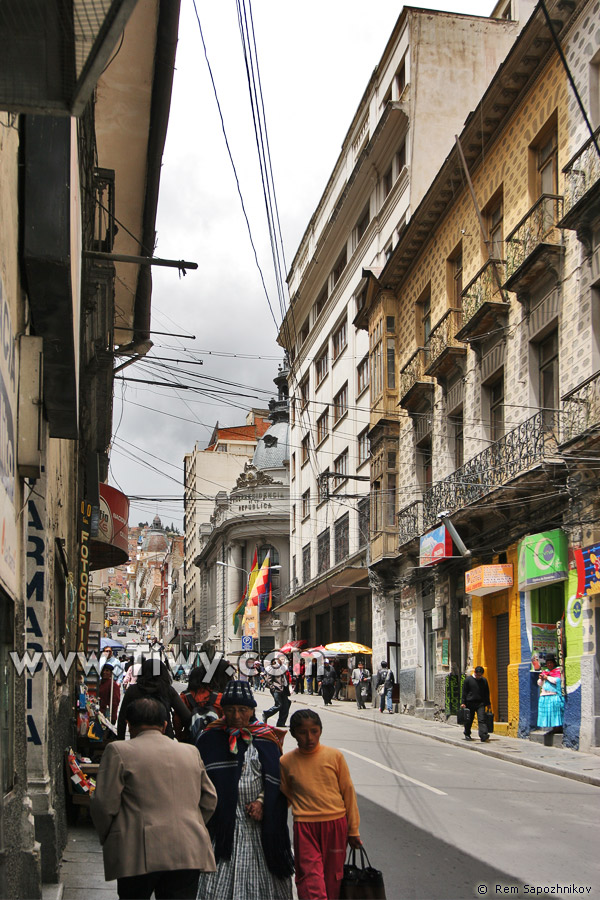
[(502, 663)]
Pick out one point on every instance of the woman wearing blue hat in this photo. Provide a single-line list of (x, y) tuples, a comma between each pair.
[(249, 828)]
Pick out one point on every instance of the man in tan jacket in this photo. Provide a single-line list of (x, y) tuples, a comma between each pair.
[(152, 800)]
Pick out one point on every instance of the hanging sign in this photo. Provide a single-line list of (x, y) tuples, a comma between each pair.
[(487, 579), (543, 559), (435, 546)]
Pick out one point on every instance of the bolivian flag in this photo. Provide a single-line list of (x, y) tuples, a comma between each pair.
[(239, 610), (261, 592)]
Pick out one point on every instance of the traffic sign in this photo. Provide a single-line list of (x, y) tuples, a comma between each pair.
[(247, 642)]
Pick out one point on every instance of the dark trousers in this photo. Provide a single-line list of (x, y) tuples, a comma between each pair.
[(327, 693), (299, 689), (281, 705), (180, 884), (474, 706), (360, 699)]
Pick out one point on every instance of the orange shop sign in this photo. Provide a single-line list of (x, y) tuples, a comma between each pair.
[(487, 579)]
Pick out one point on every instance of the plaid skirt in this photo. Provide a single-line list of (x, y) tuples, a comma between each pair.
[(245, 876)]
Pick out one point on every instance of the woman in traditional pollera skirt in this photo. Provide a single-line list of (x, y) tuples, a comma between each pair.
[(551, 704)]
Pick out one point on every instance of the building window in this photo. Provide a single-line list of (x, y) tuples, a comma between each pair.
[(339, 266), (323, 557), (362, 224), (455, 277), (376, 360), (361, 299), (322, 366), (323, 426), (321, 301), (306, 563), (496, 398), (387, 251), (495, 229), (340, 404), (548, 389), (323, 486), (293, 467), (306, 504), (305, 448), (401, 157), (304, 392), (457, 427), (390, 324), (547, 165), (391, 499), (340, 339), (292, 411), (362, 375), (293, 517), (388, 181), (424, 318), (222, 448), (425, 465), (340, 467), (303, 333), (363, 521), (342, 538), (391, 363), (294, 571), (401, 79), (363, 446)]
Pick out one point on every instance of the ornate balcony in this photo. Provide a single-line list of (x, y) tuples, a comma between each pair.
[(535, 245), (445, 351), (485, 303), (582, 192), (410, 522), (415, 386), (580, 415)]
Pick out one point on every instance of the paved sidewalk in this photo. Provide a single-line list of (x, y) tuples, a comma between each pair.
[(557, 761), (81, 868)]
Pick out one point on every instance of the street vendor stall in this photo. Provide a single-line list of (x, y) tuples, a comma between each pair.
[(347, 655)]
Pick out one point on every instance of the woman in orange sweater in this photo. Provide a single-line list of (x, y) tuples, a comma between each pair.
[(317, 783)]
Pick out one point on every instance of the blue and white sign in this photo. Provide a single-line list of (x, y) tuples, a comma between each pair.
[(247, 642)]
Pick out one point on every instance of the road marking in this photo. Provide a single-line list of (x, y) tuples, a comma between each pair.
[(394, 772)]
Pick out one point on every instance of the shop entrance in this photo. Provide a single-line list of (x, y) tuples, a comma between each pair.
[(502, 663)]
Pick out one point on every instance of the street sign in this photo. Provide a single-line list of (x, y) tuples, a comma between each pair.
[(247, 642)]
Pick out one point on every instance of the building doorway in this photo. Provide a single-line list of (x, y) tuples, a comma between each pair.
[(430, 650), (502, 663)]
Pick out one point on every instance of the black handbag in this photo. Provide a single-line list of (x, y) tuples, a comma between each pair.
[(361, 882), (489, 720), (463, 716)]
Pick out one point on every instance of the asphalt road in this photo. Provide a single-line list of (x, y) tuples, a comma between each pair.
[(441, 822)]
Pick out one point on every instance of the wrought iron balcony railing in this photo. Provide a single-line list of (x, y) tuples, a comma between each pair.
[(414, 371), (410, 522), (538, 226), (581, 173), (580, 409), (442, 338), (514, 454), (484, 288)]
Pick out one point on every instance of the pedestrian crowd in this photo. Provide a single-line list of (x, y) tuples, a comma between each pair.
[(195, 803)]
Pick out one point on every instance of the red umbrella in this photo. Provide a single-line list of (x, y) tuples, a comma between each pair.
[(291, 646), (320, 649)]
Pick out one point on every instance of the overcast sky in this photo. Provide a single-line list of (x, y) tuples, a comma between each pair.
[(315, 60)]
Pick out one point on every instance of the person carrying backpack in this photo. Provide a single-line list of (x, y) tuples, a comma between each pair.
[(385, 683), (203, 703)]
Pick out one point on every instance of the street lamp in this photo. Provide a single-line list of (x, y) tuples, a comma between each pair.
[(247, 574)]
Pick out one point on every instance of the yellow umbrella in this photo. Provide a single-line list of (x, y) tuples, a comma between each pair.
[(348, 647)]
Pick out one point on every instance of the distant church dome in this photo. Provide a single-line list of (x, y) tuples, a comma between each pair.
[(156, 540), (273, 448)]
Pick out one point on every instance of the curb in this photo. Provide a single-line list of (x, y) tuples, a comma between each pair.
[(489, 750)]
